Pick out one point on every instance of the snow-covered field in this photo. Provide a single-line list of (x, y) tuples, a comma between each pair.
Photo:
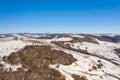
[(93, 67), (105, 49), (10, 67), (6, 39), (83, 67), (7, 47), (75, 35)]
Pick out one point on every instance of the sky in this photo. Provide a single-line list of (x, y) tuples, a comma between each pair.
[(60, 16)]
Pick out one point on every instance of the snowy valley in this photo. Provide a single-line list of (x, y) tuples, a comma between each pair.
[(59, 57)]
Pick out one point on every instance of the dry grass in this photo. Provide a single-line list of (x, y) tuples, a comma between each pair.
[(36, 60), (77, 77), (97, 66)]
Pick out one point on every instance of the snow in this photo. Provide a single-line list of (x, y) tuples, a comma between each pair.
[(32, 35), (85, 62), (6, 48), (75, 35), (63, 39), (55, 39), (37, 36), (10, 67), (6, 39), (110, 35), (105, 49), (109, 78), (67, 76)]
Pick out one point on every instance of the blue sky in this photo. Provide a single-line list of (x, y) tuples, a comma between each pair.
[(60, 16)]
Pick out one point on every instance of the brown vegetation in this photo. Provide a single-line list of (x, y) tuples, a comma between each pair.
[(97, 66), (35, 62), (77, 77)]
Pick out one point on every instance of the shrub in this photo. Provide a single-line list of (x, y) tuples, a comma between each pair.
[(36, 60)]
